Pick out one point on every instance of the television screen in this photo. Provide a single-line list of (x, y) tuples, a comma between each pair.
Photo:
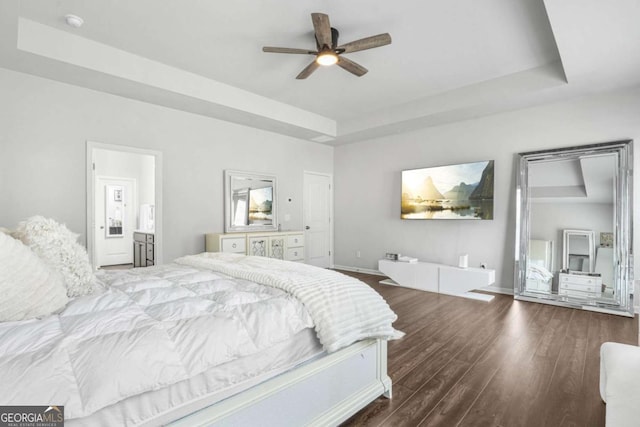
[(463, 191)]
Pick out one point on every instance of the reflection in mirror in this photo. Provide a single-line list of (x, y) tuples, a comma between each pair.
[(114, 210), (578, 252), (539, 276), (579, 199), (250, 202)]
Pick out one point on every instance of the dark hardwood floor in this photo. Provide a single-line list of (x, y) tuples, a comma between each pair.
[(503, 363)]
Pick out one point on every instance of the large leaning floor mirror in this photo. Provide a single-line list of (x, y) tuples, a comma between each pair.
[(574, 227)]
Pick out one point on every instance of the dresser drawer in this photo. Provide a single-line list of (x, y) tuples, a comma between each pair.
[(295, 254), (578, 287), (150, 238), (295, 241), (234, 244), (578, 280), (149, 251)]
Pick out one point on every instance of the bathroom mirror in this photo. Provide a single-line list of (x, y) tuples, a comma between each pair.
[(250, 202), (578, 199)]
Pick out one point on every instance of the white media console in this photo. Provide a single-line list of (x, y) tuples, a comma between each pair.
[(444, 279)]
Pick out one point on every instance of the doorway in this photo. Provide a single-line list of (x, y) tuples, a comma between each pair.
[(123, 183), (115, 219), (318, 215)]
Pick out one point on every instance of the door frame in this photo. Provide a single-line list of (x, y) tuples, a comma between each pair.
[(331, 216), (91, 190)]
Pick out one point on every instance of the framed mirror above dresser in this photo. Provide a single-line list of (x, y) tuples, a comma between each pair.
[(574, 227), (250, 202)]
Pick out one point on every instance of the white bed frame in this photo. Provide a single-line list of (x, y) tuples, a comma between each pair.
[(323, 392)]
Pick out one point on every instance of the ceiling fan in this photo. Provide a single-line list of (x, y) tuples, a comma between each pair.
[(328, 52)]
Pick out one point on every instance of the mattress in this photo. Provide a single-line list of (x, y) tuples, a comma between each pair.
[(150, 329), (170, 403)]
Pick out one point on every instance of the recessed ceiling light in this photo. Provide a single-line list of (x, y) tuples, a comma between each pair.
[(74, 21)]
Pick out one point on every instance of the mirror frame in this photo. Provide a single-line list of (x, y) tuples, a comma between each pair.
[(622, 304), (228, 194)]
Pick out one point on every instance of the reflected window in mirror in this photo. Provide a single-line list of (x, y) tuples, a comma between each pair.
[(568, 198)]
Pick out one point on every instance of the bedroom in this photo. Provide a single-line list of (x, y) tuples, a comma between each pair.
[(574, 96)]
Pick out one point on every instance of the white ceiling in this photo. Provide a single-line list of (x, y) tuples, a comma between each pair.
[(448, 60), (588, 179)]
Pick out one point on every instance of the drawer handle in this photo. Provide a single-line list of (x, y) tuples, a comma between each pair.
[(234, 246), (295, 253)]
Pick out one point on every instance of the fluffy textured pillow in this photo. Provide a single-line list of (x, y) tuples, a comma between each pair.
[(29, 287), (57, 246)]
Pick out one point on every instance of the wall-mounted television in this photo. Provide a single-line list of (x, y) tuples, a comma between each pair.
[(463, 191)]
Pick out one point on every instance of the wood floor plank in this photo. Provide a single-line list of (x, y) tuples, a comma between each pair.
[(375, 413), (455, 404), (492, 406), (505, 363), (566, 385)]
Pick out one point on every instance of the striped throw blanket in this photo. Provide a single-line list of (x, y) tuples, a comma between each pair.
[(344, 309)]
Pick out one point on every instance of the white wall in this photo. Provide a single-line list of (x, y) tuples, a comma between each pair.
[(367, 180), (44, 126)]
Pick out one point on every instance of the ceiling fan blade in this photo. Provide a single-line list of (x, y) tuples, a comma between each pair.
[(288, 50), (351, 66), (308, 70), (322, 28), (366, 43)]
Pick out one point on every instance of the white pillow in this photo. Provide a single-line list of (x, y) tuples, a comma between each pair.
[(57, 246), (29, 287)]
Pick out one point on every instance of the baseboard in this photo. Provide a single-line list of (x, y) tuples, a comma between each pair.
[(498, 290), (358, 270)]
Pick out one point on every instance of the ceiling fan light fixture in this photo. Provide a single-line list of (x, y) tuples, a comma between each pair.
[(327, 58)]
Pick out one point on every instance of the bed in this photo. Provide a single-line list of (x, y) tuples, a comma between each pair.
[(539, 265), (539, 279), (211, 339)]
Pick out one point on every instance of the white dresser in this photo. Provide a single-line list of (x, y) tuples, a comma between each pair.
[(286, 245), (579, 285)]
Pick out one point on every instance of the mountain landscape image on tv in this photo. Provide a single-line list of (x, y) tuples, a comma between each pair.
[(463, 191)]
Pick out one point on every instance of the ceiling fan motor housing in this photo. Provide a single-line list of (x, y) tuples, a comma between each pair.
[(334, 40)]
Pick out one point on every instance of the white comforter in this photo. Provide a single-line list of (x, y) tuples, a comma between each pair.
[(157, 326), (151, 328), (343, 309)]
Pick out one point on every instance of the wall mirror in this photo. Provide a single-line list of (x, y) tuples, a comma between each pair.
[(114, 211), (250, 202), (578, 255), (578, 199)]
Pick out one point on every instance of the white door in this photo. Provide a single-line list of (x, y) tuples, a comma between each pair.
[(114, 220), (317, 219)]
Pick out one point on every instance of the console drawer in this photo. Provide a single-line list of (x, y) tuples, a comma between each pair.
[(234, 245), (295, 254), (295, 241)]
